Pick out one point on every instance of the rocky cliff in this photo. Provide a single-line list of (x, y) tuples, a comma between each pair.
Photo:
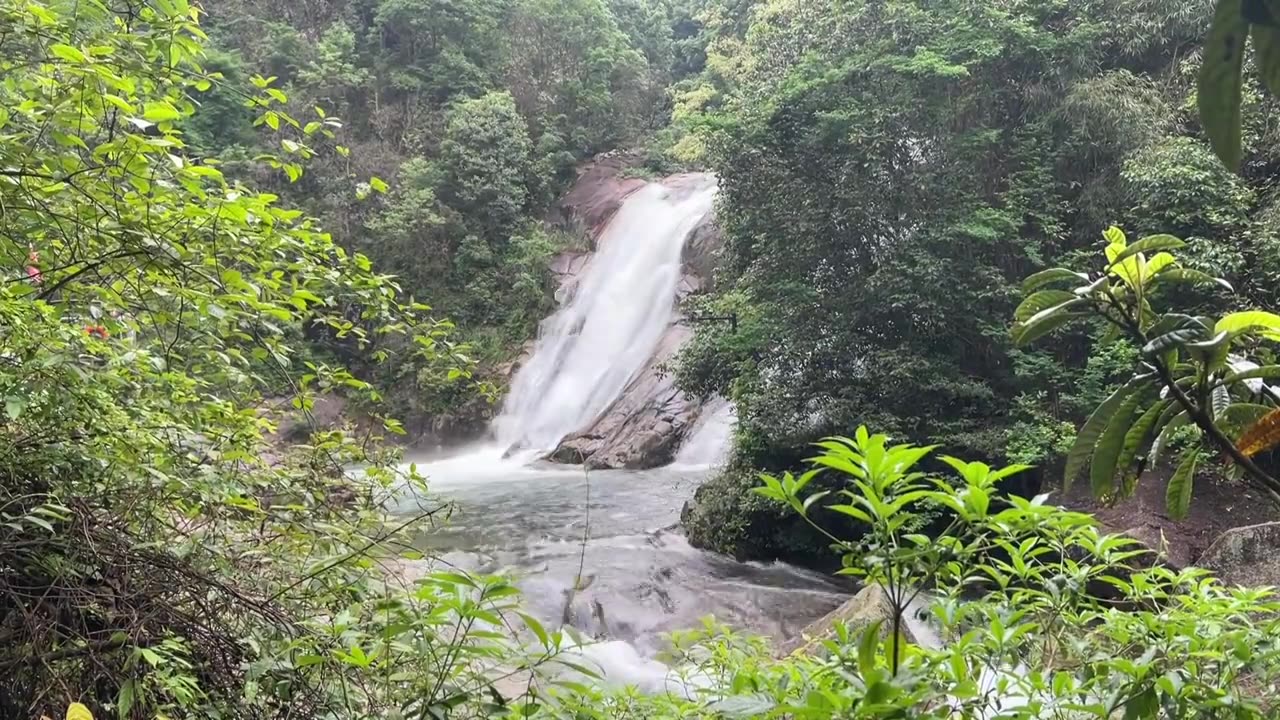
[(644, 427)]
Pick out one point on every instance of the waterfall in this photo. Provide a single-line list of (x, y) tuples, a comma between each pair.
[(604, 334), (712, 435)]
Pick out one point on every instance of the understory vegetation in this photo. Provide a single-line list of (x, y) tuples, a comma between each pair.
[(890, 173), (214, 215)]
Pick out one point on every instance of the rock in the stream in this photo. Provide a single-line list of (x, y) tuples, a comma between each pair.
[(644, 427), (1246, 556), (868, 606)]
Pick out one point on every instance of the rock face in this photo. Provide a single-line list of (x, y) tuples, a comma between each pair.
[(868, 606), (644, 427), (596, 195), (1246, 556)]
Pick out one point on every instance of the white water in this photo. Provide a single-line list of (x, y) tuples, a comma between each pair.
[(589, 350), (709, 440)]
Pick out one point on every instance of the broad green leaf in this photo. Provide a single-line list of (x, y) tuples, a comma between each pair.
[(1134, 439), (1092, 429), (1050, 276), (1238, 416), (1172, 332), (1046, 321), (1165, 430), (1102, 466), (1148, 244), (1218, 89), (1178, 494), (68, 53), (1041, 301), (1249, 321), (1193, 277), (160, 111), (77, 711), (1262, 373)]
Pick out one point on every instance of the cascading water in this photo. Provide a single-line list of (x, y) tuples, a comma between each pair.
[(590, 349), (709, 441), (597, 550)]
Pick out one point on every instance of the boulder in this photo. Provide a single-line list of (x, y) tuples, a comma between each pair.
[(868, 606), (702, 253), (644, 427), (1246, 556)]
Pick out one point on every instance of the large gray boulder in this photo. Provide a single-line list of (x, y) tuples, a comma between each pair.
[(1246, 556)]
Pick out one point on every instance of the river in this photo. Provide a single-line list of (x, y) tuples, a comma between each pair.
[(549, 525)]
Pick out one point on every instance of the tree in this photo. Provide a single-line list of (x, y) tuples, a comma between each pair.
[(1199, 373)]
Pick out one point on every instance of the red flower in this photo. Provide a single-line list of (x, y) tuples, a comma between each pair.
[(97, 331), (33, 273)]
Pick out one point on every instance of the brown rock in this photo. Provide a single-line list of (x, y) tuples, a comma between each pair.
[(868, 606), (596, 195), (1246, 556)]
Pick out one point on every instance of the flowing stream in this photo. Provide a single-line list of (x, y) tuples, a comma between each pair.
[(550, 524)]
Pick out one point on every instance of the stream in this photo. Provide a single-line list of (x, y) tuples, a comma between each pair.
[(547, 524)]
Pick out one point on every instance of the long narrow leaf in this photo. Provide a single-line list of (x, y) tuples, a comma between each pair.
[(1088, 436), (1102, 466), (1139, 434), (1219, 85), (1177, 496)]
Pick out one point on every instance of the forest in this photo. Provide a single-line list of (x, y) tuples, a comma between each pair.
[(989, 276)]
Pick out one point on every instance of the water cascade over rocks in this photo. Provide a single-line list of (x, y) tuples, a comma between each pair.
[(609, 328), (599, 549)]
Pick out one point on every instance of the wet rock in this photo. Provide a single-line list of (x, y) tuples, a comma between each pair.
[(868, 606), (1246, 556), (596, 195), (643, 428), (702, 252)]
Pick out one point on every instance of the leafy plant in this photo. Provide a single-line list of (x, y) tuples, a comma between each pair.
[(1200, 372)]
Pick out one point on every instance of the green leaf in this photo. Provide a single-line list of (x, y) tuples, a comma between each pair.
[(1192, 277), (1248, 321), (1134, 439), (1172, 332), (1166, 432), (160, 111), (1106, 453), (68, 53), (1052, 275), (1040, 301), (1148, 244), (867, 647), (1088, 436), (13, 406), (1219, 85), (1178, 495), (1045, 322), (378, 184)]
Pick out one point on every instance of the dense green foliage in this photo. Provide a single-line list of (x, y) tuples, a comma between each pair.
[(476, 113), (890, 173)]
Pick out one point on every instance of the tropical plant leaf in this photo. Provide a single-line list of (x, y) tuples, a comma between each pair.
[(1148, 244), (1220, 400), (1134, 439), (1261, 436), (1177, 496), (1219, 85), (1052, 275), (1082, 450), (1250, 320), (1239, 416), (1045, 322), (1174, 331), (1193, 277), (1102, 466), (1041, 301), (1166, 432)]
